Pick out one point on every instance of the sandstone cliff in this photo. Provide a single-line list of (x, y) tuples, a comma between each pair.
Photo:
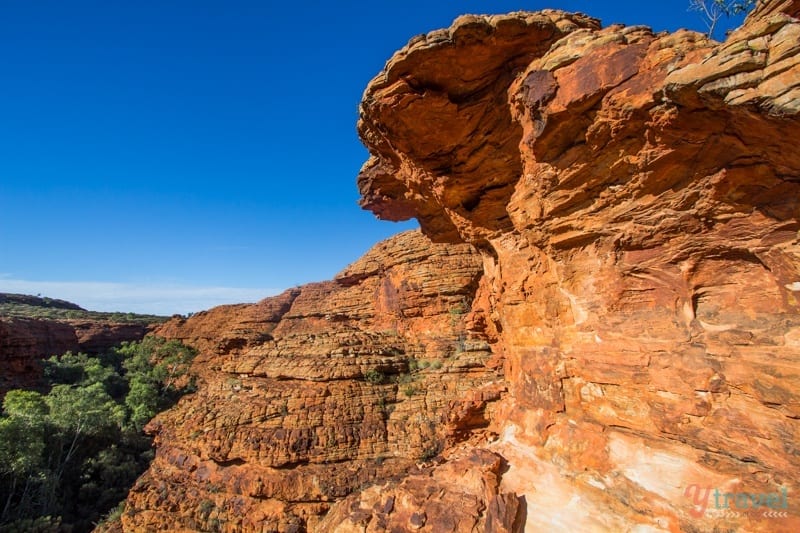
[(33, 328), (640, 254), (609, 321), (308, 396)]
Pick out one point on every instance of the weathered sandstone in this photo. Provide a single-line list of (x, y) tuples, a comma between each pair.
[(610, 316), (308, 396), (23, 343), (641, 270)]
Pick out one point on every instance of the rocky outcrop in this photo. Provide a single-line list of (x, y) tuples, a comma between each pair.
[(765, 8), (97, 337), (443, 99), (309, 396), (460, 495), (640, 257), (27, 337), (605, 338)]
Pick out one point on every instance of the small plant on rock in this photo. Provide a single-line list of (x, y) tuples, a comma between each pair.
[(410, 390), (374, 376)]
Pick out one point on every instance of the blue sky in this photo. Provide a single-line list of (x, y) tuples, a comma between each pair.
[(167, 156)]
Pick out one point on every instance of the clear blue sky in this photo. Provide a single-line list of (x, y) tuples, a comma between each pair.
[(167, 156)]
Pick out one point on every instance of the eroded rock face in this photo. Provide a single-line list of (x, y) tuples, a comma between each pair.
[(460, 495), (640, 257), (306, 397), (613, 346), (97, 337), (443, 99)]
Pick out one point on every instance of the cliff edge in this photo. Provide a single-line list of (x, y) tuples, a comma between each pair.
[(635, 201), (598, 331)]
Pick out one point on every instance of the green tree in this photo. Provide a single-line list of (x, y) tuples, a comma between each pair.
[(142, 401), (83, 409), (79, 368), (22, 445), (713, 10), (154, 368), (160, 360), (25, 404), (67, 368), (77, 413), (69, 456)]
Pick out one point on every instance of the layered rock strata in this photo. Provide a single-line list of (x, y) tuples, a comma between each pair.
[(24, 342), (640, 253), (609, 322), (309, 396)]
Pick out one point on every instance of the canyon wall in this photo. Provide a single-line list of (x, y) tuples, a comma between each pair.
[(602, 333), (24, 342), (311, 395)]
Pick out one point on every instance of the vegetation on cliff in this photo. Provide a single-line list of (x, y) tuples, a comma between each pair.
[(69, 456), (712, 11)]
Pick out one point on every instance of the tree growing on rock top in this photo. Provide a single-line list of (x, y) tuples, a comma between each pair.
[(713, 10)]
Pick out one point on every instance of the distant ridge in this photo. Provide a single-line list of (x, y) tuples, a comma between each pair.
[(38, 301), (28, 306)]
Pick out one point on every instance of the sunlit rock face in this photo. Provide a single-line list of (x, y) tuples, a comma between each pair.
[(605, 299), (635, 199), (322, 391)]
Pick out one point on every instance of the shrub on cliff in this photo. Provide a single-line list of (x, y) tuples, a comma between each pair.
[(157, 371)]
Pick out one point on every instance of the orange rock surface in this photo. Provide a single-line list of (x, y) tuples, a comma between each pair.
[(309, 396), (610, 318)]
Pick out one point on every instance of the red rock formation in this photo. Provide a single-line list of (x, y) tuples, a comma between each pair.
[(765, 8), (23, 343), (95, 337), (643, 288), (443, 98), (460, 495), (306, 397), (626, 343)]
